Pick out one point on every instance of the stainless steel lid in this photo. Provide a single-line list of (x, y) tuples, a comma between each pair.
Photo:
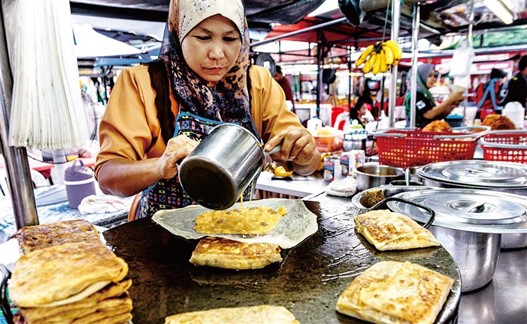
[(471, 210), (477, 174)]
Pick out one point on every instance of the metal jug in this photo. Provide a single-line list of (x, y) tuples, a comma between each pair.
[(221, 167)]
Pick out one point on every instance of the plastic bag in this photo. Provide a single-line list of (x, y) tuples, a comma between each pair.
[(462, 60)]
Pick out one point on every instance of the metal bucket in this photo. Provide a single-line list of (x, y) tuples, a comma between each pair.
[(221, 167)]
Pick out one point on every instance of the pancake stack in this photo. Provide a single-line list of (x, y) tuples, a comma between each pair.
[(67, 275)]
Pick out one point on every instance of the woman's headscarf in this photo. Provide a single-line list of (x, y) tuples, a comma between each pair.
[(423, 72), (228, 100)]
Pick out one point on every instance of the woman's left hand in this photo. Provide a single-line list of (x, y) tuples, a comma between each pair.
[(298, 146)]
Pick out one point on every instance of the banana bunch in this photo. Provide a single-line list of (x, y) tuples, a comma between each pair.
[(379, 57)]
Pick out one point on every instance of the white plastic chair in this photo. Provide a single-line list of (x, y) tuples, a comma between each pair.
[(342, 117), (36, 177)]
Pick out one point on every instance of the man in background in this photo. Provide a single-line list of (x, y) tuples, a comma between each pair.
[(286, 86), (517, 86)]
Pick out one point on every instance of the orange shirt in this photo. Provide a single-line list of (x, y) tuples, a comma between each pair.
[(130, 129)]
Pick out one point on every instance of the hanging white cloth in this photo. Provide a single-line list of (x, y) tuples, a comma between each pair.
[(46, 109)]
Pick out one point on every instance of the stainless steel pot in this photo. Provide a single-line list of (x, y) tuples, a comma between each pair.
[(470, 224), (482, 175), (222, 166), (476, 254), (375, 175)]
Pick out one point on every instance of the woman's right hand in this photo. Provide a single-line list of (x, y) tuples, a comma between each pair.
[(456, 97), (177, 148)]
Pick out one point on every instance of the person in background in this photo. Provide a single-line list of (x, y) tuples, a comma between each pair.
[(426, 108), (487, 94), (517, 86), (286, 86), (361, 111), (158, 112)]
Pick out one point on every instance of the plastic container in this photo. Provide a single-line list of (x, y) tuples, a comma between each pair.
[(454, 120), (516, 112), (329, 143), (313, 124), (406, 148), (80, 183)]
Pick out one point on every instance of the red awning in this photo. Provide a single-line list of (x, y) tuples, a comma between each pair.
[(340, 34)]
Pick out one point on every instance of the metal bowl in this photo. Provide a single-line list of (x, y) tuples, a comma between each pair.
[(375, 175)]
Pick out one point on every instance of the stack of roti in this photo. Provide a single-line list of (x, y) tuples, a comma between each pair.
[(67, 275)]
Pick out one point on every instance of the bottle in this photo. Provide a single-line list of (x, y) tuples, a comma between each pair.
[(516, 112), (313, 124), (358, 136)]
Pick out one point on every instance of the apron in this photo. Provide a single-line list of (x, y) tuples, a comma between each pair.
[(168, 193)]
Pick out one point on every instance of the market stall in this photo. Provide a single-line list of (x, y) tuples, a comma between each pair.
[(308, 275)]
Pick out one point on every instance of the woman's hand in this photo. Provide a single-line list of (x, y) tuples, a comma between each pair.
[(177, 148), (298, 146), (456, 97)]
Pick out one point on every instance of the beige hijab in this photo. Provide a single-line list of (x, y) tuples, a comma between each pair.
[(227, 100)]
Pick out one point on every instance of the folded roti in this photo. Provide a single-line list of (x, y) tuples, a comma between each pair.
[(229, 254), (37, 237), (240, 315), (387, 230), (64, 274), (105, 308), (110, 319), (100, 315), (395, 292), (110, 295)]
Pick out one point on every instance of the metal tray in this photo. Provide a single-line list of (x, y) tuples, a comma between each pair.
[(307, 282)]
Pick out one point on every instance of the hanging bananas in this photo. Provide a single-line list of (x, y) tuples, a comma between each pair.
[(379, 57)]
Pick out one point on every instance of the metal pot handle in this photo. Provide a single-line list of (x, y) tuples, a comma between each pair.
[(381, 204), (4, 303)]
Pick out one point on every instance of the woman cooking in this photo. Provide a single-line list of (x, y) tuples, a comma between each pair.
[(158, 113), (426, 108)]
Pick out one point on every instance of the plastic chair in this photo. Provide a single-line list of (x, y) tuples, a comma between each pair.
[(38, 179), (342, 117)]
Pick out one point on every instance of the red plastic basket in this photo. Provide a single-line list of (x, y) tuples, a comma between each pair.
[(505, 145), (406, 148)]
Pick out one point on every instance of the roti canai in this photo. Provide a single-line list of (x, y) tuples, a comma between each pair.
[(387, 230), (63, 274), (252, 220), (37, 237), (241, 315), (111, 296), (229, 254), (396, 292)]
